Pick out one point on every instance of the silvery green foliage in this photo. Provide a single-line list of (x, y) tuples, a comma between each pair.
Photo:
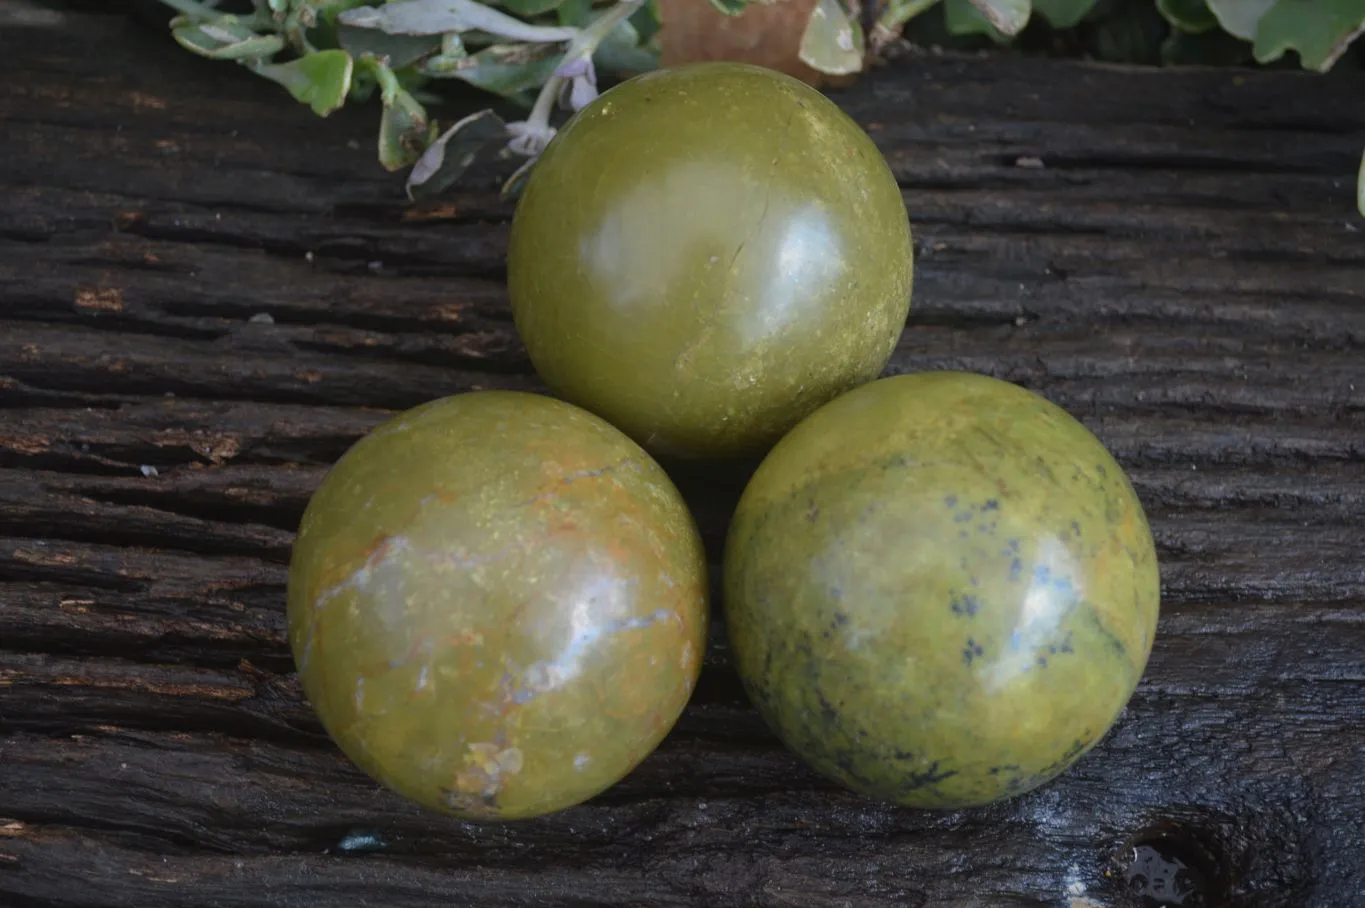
[(536, 54), (546, 54), (530, 53)]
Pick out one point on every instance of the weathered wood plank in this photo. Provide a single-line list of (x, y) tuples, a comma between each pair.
[(1185, 274)]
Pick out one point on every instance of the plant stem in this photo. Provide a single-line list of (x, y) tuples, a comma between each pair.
[(297, 33), (545, 101), (583, 45), (893, 19), (604, 25), (389, 86), (451, 45)]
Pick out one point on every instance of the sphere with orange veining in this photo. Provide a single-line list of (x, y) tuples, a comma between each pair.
[(497, 604)]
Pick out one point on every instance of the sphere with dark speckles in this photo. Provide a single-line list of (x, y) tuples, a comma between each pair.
[(706, 253), (497, 604), (941, 590)]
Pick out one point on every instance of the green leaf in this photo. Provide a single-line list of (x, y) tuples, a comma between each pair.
[(574, 13), (527, 9), (452, 45), (320, 80), (833, 41), (1320, 30), (225, 39), (960, 17), (730, 7), (322, 30), (449, 156), (325, 31), (411, 78), (192, 11), (1007, 16), (397, 51), (435, 17), (1214, 47), (647, 20), (330, 9), (1190, 16), (363, 84), (1360, 187), (1240, 17), (625, 61), (404, 131), (620, 52), (504, 69), (1063, 13)]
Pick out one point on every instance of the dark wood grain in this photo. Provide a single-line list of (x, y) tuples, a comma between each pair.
[(1185, 273)]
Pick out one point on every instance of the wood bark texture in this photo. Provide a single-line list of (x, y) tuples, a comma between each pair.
[(1173, 256)]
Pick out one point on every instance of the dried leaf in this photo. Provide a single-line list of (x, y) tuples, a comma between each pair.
[(1320, 30), (766, 34), (833, 41), (447, 158), (320, 80)]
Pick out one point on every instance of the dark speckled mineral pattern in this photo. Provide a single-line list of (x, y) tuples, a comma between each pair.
[(941, 590), (497, 604)]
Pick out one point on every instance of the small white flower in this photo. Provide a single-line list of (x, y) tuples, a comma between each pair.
[(580, 87)]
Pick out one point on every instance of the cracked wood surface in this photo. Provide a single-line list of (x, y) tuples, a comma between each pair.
[(1185, 273)]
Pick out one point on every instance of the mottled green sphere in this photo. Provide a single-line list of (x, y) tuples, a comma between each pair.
[(705, 254), (940, 590), (497, 604)]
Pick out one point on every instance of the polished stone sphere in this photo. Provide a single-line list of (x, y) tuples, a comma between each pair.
[(705, 254), (497, 604), (941, 590)]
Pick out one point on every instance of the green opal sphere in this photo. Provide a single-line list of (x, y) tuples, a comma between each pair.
[(497, 604), (940, 590), (706, 253)]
